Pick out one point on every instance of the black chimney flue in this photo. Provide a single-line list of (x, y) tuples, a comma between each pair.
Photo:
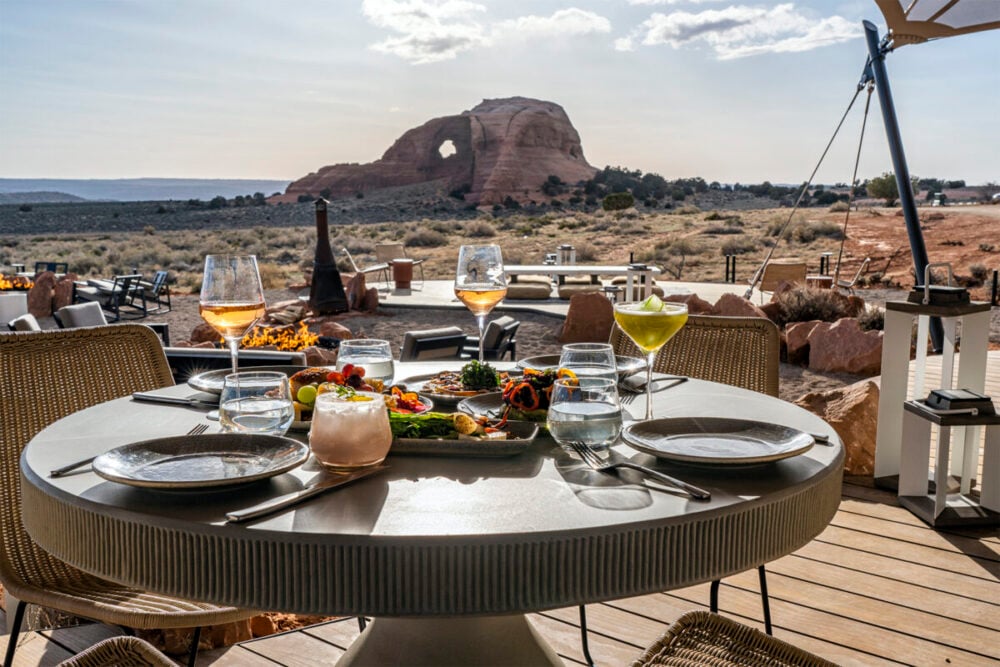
[(326, 292)]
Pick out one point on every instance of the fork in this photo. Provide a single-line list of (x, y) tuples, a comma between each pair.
[(59, 472), (594, 460)]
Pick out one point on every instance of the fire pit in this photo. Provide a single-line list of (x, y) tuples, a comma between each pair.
[(286, 338), (15, 283)]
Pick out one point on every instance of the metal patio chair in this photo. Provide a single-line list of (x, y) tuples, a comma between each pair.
[(93, 365)]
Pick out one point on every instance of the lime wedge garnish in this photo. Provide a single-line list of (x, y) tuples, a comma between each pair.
[(652, 304)]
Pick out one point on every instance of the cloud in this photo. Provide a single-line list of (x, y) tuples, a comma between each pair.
[(670, 2), (435, 30), (740, 31), (570, 21), (430, 30)]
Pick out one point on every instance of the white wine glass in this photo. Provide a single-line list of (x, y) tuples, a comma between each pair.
[(232, 298), (480, 282)]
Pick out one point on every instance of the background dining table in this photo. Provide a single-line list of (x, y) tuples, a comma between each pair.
[(447, 553)]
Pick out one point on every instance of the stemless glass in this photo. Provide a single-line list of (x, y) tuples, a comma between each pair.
[(650, 324), (480, 282), (374, 355), (232, 298), (585, 410), (589, 360), (350, 431), (256, 402)]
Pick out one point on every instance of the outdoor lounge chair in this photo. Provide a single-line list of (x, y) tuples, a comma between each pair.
[(382, 269), (54, 267), (187, 361), (701, 638), (122, 292), (498, 340), (156, 292), (848, 285), (123, 650), (26, 322), (444, 343), (93, 365), (778, 272), (386, 252), (90, 314)]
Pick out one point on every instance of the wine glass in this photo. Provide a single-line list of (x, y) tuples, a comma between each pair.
[(650, 324), (232, 297), (480, 283)]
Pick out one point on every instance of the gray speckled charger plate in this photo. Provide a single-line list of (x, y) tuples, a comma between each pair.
[(626, 365), (200, 461), (716, 440), (211, 381)]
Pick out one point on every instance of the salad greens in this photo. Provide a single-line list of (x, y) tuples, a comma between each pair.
[(423, 425), (479, 376)]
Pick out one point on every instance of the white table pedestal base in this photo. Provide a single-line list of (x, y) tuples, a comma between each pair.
[(450, 640)]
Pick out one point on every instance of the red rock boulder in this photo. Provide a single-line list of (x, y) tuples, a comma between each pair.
[(589, 319), (852, 411), (696, 305), (797, 341), (40, 294), (731, 305), (843, 347), (62, 293)]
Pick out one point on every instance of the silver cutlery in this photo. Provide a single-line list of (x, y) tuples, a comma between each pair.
[(329, 482), (150, 397), (59, 472), (594, 460), (659, 384)]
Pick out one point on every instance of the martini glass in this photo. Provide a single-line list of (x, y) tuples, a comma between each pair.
[(650, 324), (480, 283), (232, 297)]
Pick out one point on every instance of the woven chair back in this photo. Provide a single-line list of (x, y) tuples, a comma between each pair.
[(46, 376), (738, 351)]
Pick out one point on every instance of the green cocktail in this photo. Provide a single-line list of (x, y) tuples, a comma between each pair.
[(650, 324)]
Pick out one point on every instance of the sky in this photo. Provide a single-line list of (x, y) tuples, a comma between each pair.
[(729, 90)]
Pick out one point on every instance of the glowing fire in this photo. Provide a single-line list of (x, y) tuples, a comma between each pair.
[(17, 282), (280, 338)]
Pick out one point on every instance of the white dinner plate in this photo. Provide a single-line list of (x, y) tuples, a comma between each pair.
[(626, 365), (716, 440), (200, 461), (211, 381)]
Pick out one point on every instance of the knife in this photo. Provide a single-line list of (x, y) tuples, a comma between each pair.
[(150, 397), (330, 481)]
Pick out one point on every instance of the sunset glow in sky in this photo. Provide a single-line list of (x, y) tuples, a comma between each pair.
[(731, 90)]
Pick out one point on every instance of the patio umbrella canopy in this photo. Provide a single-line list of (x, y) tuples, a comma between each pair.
[(915, 21)]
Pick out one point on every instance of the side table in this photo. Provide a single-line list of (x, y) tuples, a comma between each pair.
[(899, 315), (941, 508)]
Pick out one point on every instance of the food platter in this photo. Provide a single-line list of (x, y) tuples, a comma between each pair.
[(519, 438), (419, 383), (305, 424), (187, 462), (211, 381), (716, 440), (626, 365)]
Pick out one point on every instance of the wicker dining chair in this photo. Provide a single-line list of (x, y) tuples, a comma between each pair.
[(121, 651), (85, 366), (738, 351), (702, 638)]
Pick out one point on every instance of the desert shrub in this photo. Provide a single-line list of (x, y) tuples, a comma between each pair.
[(802, 304), (687, 210), (618, 201), (714, 215), (987, 247), (149, 230), (272, 276), (738, 246), (872, 320), (979, 273), (425, 238), (814, 229), (480, 229), (586, 252), (953, 242), (722, 229), (839, 207)]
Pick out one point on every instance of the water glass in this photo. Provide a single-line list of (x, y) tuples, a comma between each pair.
[(589, 360), (350, 432), (256, 402), (585, 410), (374, 355)]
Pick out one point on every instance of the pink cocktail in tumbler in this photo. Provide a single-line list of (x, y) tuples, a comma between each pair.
[(351, 431)]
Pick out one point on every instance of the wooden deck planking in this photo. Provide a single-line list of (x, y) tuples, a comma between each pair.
[(877, 587)]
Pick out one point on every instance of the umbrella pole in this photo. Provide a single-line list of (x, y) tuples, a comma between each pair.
[(906, 199)]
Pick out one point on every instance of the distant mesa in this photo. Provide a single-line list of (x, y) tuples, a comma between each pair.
[(501, 148)]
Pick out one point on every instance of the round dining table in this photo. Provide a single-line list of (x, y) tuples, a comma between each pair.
[(447, 554)]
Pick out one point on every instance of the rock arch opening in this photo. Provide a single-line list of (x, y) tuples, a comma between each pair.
[(447, 149)]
